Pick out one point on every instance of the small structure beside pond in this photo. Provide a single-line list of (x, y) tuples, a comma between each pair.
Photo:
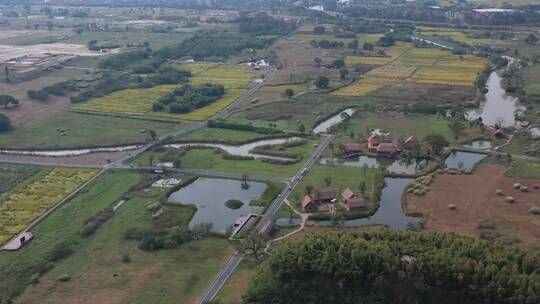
[(351, 201), (319, 200)]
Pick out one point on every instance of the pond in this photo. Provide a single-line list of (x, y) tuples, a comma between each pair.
[(498, 107), (73, 152), (243, 150), (390, 211), (463, 160), (397, 166), (478, 145), (209, 196), (332, 121)]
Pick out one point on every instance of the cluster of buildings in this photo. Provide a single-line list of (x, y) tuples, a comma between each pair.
[(324, 199), (375, 144)]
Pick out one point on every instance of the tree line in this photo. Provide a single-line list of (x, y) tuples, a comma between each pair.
[(396, 267)]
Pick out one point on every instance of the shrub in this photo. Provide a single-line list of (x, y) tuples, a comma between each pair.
[(37, 95), (487, 224), (126, 258), (234, 204), (5, 124), (91, 224), (60, 251)]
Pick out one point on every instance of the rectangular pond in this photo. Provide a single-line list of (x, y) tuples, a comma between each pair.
[(463, 160), (392, 165), (209, 196)]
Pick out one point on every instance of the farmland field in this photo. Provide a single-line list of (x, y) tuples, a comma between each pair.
[(95, 266), (138, 102), (419, 65), (364, 86), (11, 175), (26, 202)]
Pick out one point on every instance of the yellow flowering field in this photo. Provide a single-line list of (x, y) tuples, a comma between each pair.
[(26, 202)]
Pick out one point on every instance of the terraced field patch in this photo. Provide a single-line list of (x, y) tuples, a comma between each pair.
[(133, 102), (138, 102), (297, 88), (26, 202), (364, 86), (392, 71), (444, 75), (392, 53)]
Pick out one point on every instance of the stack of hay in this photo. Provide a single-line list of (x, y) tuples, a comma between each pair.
[(420, 186)]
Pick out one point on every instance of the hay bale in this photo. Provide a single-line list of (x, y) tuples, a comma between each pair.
[(64, 278), (439, 171), (452, 207), (499, 192), (517, 185), (534, 210), (536, 186), (510, 199), (524, 189), (153, 207)]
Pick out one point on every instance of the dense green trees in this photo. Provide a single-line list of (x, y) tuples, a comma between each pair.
[(5, 124), (322, 82), (188, 98), (396, 267), (122, 60), (8, 100), (215, 44), (262, 24)]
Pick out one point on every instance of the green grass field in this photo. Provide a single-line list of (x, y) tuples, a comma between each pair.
[(155, 40), (525, 169), (96, 268), (291, 113), (398, 125), (82, 130), (207, 159), (221, 135)]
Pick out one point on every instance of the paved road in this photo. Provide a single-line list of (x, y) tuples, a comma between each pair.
[(234, 261)]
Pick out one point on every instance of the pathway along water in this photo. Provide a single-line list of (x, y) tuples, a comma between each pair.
[(332, 121), (71, 152), (243, 150), (499, 108)]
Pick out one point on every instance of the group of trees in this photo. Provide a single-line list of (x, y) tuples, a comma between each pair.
[(8, 100), (396, 267), (188, 98), (263, 24), (212, 45), (5, 124)]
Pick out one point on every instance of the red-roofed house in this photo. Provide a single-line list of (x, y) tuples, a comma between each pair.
[(352, 149), (388, 148), (309, 205), (373, 141), (352, 201), (410, 143), (323, 195), (499, 133)]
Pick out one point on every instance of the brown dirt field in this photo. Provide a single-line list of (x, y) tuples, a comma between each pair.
[(475, 199), (88, 159), (91, 288), (240, 284), (32, 110), (296, 58)]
